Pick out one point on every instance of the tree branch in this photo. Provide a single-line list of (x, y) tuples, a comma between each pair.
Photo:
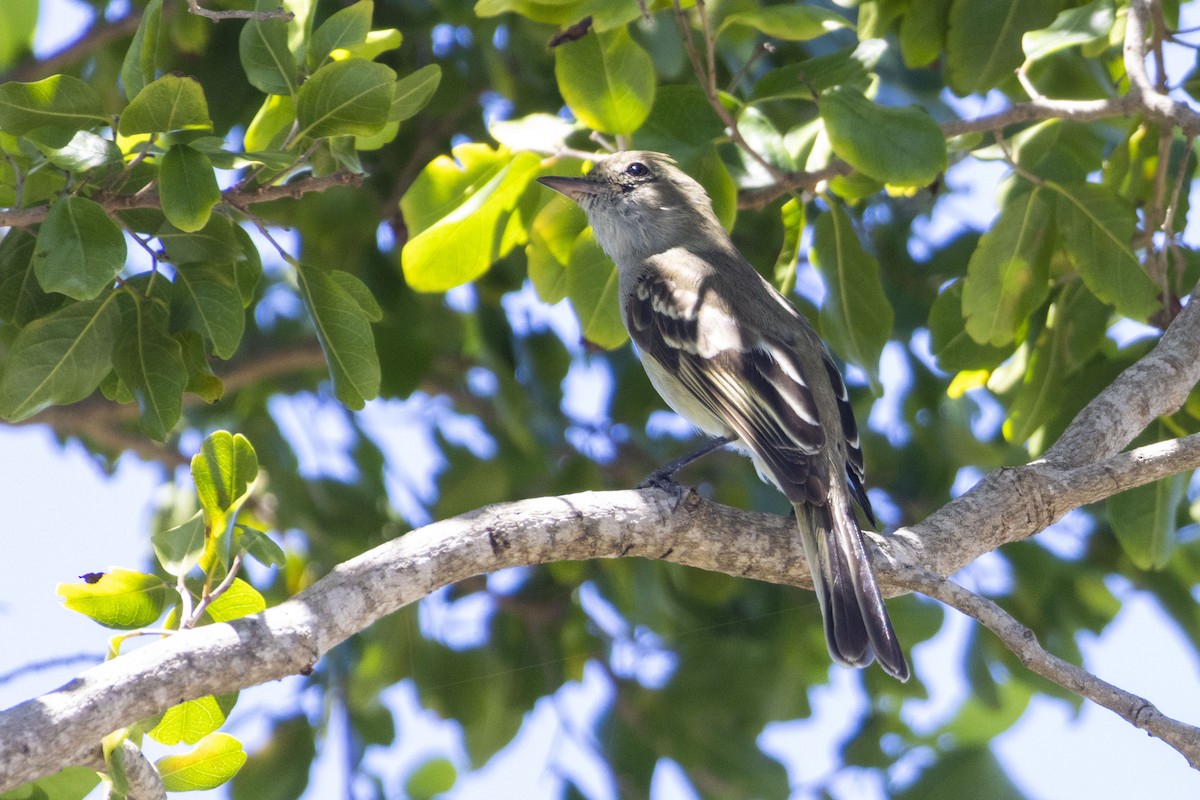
[(38, 736), (25, 217), (1135, 710)]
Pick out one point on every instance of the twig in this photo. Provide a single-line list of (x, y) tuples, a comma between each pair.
[(1023, 643), (212, 596), (200, 11), (707, 76), (25, 217)]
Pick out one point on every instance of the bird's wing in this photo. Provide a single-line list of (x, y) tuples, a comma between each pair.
[(755, 384)]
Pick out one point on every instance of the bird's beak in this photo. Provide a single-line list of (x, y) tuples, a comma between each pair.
[(574, 188)]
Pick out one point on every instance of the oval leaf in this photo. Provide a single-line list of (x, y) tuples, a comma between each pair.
[(455, 212), (352, 97), (794, 23), (188, 187), (607, 80), (171, 103), (50, 110), (344, 330), (138, 68), (179, 549), (856, 317), (414, 91), (269, 64), (58, 359), (343, 30), (1008, 274), (592, 288), (149, 361), (191, 721), (217, 759), (79, 249), (1096, 228), (897, 146), (119, 599)]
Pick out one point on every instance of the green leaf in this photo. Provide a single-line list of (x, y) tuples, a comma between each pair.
[(201, 380), (223, 471), (50, 110), (218, 241), (953, 347), (551, 239), (342, 31), (84, 152), (607, 80), (271, 124), (149, 361), (592, 287), (79, 249), (414, 91), (923, 32), (119, 599), (792, 215), (206, 299), (352, 97), (344, 330), (856, 317), (359, 291), (171, 103), (188, 187), (1144, 520), (192, 720), (240, 600), (138, 68), (259, 546), (1074, 26), (793, 23), (179, 549), (16, 37), (456, 212), (983, 41), (807, 79), (269, 64), (58, 359), (71, 783), (217, 759), (1096, 229), (1008, 275), (897, 146), (434, 777), (21, 296), (279, 770), (973, 766)]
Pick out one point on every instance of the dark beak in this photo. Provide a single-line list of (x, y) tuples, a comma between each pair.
[(573, 188)]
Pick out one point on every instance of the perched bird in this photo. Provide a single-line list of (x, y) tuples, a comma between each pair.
[(730, 354)]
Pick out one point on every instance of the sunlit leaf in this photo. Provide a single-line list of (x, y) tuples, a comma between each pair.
[(856, 317), (607, 80), (217, 759), (118, 599)]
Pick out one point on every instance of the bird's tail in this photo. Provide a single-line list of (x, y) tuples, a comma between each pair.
[(857, 627)]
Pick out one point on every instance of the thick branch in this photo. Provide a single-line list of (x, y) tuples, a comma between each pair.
[(1137, 711), (39, 736)]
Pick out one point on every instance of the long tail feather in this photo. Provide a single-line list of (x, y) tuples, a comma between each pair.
[(857, 627)]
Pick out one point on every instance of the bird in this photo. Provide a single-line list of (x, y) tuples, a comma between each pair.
[(733, 356)]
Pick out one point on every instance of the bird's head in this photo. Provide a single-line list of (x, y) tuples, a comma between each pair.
[(641, 203)]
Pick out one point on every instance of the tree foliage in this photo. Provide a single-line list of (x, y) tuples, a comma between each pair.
[(217, 213)]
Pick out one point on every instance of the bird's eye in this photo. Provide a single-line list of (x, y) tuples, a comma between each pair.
[(637, 169)]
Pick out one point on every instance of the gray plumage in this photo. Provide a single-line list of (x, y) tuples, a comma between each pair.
[(730, 354)]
